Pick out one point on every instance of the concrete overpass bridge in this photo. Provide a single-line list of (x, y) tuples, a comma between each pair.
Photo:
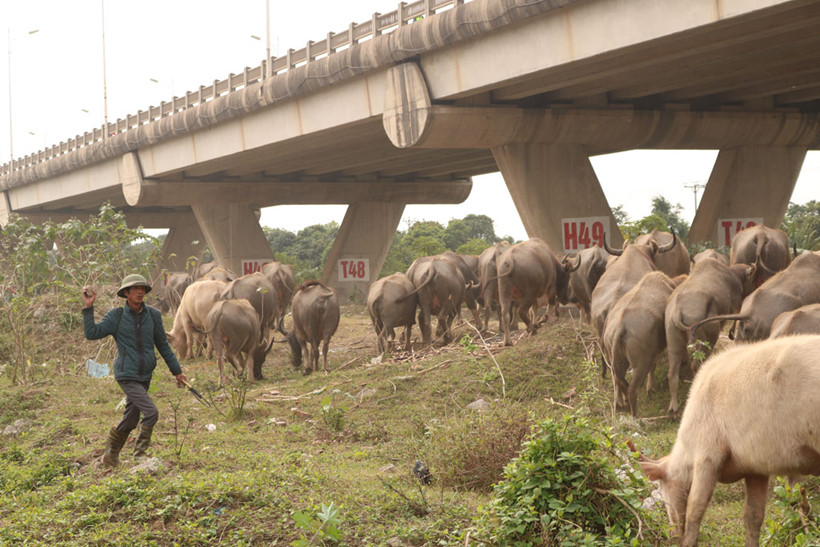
[(407, 107)]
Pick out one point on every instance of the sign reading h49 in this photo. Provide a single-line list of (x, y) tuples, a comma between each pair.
[(728, 228), (253, 265), (354, 269), (582, 233)]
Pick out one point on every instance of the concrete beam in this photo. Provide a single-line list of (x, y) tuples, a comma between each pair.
[(264, 193), (185, 239), (549, 183), (366, 234), (599, 131), (750, 182), (233, 233)]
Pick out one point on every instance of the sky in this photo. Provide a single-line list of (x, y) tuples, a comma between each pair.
[(154, 50)]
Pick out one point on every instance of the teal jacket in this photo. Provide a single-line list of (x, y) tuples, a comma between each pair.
[(137, 334)]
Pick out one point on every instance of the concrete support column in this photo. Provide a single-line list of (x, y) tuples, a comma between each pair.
[(233, 234), (184, 240), (550, 182), (366, 234), (747, 182)]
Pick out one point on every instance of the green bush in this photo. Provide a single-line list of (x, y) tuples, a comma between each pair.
[(568, 487)]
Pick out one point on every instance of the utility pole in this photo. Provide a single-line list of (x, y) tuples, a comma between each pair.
[(695, 187)]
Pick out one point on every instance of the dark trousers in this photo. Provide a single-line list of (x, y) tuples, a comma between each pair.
[(137, 401)]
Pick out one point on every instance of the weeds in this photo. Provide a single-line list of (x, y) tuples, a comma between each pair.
[(324, 526)]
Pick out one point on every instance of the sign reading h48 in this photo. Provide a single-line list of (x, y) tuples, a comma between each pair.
[(728, 228), (582, 233), (354, 269)]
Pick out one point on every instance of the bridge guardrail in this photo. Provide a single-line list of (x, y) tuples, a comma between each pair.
[(333, 42)]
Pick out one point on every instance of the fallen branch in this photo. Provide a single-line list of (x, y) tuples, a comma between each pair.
[(497, 367)]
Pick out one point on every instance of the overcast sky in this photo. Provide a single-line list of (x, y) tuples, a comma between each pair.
[(156, 49)]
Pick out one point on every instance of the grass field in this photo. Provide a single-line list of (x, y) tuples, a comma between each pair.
[(259, 465)]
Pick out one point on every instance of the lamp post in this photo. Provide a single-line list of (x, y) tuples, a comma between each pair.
[(266, 69), (11, 125), (105, 85)]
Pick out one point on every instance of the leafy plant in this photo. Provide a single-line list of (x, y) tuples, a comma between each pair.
[(791, 521), (568, 487), (332, 416), (324, 526)]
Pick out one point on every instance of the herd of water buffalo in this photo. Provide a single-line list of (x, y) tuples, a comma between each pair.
[(642, 299), (752, 411)]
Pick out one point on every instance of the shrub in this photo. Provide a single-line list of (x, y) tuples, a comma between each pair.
[(471, 452), (567, 487)]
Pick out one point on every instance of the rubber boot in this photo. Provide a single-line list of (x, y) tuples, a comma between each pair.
[(143, 441), (113, 445)]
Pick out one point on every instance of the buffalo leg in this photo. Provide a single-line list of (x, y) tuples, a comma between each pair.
[(703, 485), (676, 350), (325, 345), (756, 490), (407, 331)]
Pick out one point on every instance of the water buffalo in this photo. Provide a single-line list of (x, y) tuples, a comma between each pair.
[(796, 286), (487, 278), (634, 335), (752, 412), (281, 277), (804, 320), (711, 253), (193, 311), (468, 266), (259, 291), (440, 288), (765, 247), (528, 271), (591, 264), (624, 270), (675, 261), (315, 310), (713, 288), (175, 284), (391, 303), (235, 335), (220, 274)]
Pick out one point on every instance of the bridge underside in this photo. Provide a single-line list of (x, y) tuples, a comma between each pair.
[(531, 95)]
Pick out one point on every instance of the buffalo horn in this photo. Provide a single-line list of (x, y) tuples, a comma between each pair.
[(669, 246), (610, 250)]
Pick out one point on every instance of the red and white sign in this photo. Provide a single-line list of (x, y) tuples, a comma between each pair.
[(253, 265), (582, 233), (728, 228), (354, 269)]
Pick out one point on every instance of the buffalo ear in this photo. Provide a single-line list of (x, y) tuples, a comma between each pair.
[(655, 470)]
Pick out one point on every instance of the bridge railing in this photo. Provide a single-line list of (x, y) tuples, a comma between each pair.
[(406, 13)]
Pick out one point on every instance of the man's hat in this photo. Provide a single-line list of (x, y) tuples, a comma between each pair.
[(133, 280)]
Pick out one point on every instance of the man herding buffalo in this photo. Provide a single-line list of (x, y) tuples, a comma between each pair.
[(137, 329)]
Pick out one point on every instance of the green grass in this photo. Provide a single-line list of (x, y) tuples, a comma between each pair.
[(365, 427)]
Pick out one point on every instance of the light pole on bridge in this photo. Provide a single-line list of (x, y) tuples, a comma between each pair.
[(11, 125)]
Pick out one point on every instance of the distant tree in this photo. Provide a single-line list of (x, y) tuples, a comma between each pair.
[(399, 257), (631, 230), (279, 240), (480, 227), (802, 223), (671, 214), (473, 247), (427, 246), (313, 243), (456, 234), (620, 215)]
